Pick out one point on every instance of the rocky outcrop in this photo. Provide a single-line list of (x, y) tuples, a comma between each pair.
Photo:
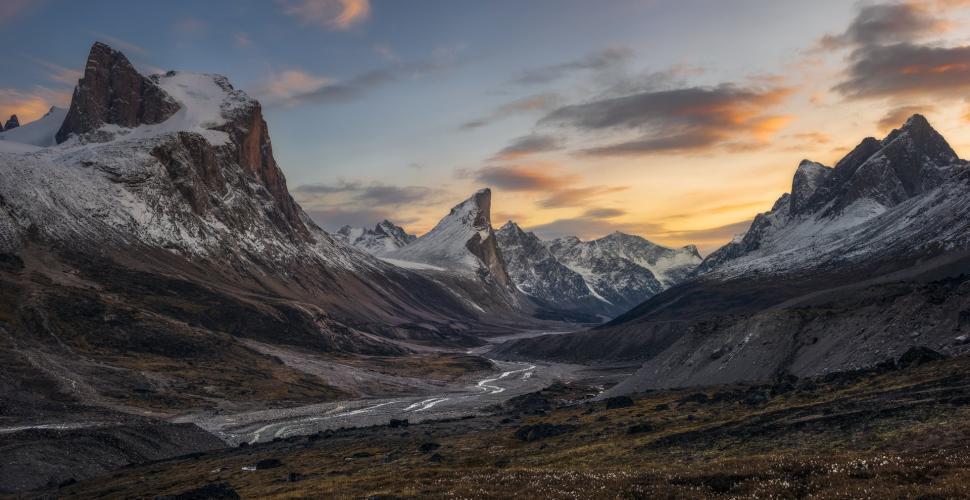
[(12, 123), (254, 151), (537, 273), (386, 237), (113, 92)]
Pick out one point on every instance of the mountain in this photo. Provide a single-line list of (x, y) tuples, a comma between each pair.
[(152, 258), (538, 274), (40, 132), (384, 238), (603, 277), (463, 241), (859, 263), (12, 123)]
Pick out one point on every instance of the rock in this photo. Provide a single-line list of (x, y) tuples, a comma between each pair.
[(113, 92), (437, 458), (10, 262), (67, 482), (294, 477), (12, 123), (211, 491), (536, 432), (917, 356), (428, 447), (395, 423), (640, 428), (619, 402), (268, 463)]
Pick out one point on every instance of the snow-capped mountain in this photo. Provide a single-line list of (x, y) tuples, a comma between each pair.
[(859, 263), (617, 272), (40, 133), (463, 241), (538, 274), (885, 198), (383, 239), (157, 245)]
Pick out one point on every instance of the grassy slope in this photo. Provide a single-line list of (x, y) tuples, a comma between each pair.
[(896, 434)]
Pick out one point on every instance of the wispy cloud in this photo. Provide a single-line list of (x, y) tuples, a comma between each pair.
[(596, 61), (189, 26), (363, 203), (58, 73), (242, 40), (290, 85), (536, 103), (330, 14), (10, 9), (893, 55), (31, 105), (578, 196), (533, 177), (896, 116), (296, 87), (679, 120), (125, 46), (528, 145)]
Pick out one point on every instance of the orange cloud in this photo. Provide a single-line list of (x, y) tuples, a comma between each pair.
[(29, 106), (290, 83), (331, 14)]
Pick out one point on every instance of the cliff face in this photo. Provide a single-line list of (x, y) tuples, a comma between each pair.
[(113, 92)]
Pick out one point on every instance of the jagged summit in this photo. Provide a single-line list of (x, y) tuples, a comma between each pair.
[(12, 123), (827, 205), (384, 238), (113, 92), (462, 241)]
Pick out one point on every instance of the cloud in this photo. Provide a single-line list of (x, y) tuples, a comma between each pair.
[(125, 46), (242, 40), (890, 59), (372, 194), (604, 213), (359, 203), (58, 73), (333, 218), (296, 87), (330, 14), (578, 196), (896, 116), (528, 145), (10, 9), (887, 23), (189, 26), (289, 84), (31, 105), (908, 70), (536, 177), (684, 119), (597, 61), (529, 104)]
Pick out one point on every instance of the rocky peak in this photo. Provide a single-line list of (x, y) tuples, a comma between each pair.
[(12, 123), (463, 241), (692, 250), (809, 176), (476, 209), (113, 92), (395, 232)]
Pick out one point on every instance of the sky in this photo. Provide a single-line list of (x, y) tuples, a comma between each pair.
[(675, 120)]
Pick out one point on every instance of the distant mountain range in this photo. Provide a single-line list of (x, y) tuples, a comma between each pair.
[(858, 263), (592, 280)]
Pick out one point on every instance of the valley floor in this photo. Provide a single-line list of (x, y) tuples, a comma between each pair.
[(899, 432)]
